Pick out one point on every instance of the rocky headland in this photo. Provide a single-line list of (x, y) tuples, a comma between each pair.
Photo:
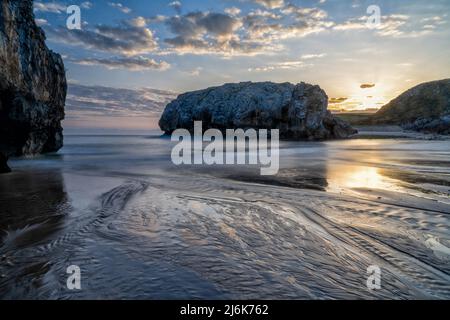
[(32, 86)]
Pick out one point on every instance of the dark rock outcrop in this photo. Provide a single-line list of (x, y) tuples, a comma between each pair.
[(298, 111), (3, 163), (32, 85), (440, 125), (424, 108)]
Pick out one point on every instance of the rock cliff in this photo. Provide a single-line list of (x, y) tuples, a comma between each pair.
[(32, 85)]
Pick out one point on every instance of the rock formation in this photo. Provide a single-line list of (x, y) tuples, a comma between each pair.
[(3, 163), (424, 108), (298, 111), (32, 85)]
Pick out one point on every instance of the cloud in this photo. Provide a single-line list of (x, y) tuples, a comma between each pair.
[(287, 65), (52, 7), (270, 4), (87, 101), (124, 39), (57, 7), (367, 85), (120, 7), (86, 5), (301, 13), (138, 22), (195, 72), (176, 5), (129, 63), (337, 100), (197, 23), (156, 19), (208, 32), (395, 26), (258, 30), (389, 24), (313, 56), (263, 30), (41, 22), (229, 33), (233, 11), (435, 20), (293, 22)]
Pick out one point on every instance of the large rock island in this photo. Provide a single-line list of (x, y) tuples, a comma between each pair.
[(32, 86), (298, 111)]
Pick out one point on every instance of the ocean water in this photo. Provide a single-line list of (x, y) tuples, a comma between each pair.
[(140, 227)]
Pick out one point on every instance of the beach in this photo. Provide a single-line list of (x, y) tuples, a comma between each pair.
[(140, 227)]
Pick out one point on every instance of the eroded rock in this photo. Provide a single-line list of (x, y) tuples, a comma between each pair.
[(298, 111), (32, 84)]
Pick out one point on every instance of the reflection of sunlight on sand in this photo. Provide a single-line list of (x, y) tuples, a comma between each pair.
[(365, 143), (342, 177), (362, 171)]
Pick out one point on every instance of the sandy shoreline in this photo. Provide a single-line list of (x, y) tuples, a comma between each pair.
[(394, 132)]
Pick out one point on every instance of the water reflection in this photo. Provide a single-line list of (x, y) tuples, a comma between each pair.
[(33, 205), (343, 176), (141, 227)]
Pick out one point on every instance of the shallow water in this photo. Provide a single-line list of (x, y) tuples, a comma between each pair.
[(140, 227)]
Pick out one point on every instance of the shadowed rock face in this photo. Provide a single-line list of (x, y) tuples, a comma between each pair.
[(3, 163), (32, 85), (298, 111), (425, 108)]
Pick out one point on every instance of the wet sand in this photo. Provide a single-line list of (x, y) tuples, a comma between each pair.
[(140, 227)]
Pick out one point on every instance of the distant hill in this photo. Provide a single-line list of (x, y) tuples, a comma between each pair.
[(424, 108), (427, 100)]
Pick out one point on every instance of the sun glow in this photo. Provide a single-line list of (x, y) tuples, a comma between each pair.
[(368, 99), (350, 177)]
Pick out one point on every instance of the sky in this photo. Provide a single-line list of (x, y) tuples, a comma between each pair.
[(187, 45)]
